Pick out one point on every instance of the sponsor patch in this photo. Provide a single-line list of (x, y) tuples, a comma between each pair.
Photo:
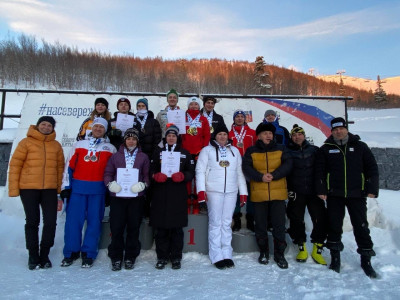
[(183, 155), (334, 151), (351, 149), (192, 161)]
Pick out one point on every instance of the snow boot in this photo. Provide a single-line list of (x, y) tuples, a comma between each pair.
[(250, 222), (45, 262), (67, 261), (279, 257), (237, 222), (87, 262), (229, 263), (34, 259), (176, 264), (263, 258), (366, 266), (129, 264), (317, 254), (303, 254), (220, 264), (116, 265), (335, 261), (161, 263)]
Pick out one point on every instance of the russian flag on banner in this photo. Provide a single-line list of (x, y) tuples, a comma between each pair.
[(312, 115)]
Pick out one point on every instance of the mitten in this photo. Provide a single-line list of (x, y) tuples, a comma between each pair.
[(65, 194), (138, 187), (160, 177), (243, 200), (114, 187), (201, 196), (178, 177)]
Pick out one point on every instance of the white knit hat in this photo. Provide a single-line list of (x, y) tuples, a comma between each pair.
[(100, 121), (194, 99)]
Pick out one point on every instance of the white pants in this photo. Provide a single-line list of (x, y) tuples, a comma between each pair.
[(220, 211)]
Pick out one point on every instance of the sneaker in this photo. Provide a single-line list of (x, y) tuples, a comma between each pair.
[(87, 262), (116, 265), (263, 258), (220, 264), (33, 262), (129, 264), (161, 263), (281, 261), (303, 254), (317, 254), (229, 263), (176, 264), (67, 261)]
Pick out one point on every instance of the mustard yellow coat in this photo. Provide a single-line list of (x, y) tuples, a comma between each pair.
[(37, 163)]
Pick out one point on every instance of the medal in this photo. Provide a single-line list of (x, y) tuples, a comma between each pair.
[(93, 158), (86, 158), (211, 129), (240, 145), (224, 163), (239, 136), (194, 131), (193, 124), (189, 131)]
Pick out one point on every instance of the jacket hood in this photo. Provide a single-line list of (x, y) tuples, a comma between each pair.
[(35, 134)]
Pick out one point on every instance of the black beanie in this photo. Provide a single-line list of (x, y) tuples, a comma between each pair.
[(101, 100), (47, 119), (338, 122), (220, 129), (265, 127)]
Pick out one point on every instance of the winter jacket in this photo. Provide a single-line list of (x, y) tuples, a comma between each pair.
[(216, 122), (301, 178), (150, 137), (117, 160), (260, 159), (249, 139), (347, 171), (282, 135), (87, 126), (86, 177), (116, 139), (162, 119), (37, 163), (169, 199), (211, 177), (194, 143)]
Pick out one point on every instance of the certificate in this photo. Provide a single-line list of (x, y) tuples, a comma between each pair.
[(126, 178), (177, 117), (124, 121), (170, 162)]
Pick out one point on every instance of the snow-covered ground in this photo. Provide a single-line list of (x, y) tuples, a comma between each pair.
[(198, 279)]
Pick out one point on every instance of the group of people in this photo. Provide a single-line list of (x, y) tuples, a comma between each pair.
[(144, 166)]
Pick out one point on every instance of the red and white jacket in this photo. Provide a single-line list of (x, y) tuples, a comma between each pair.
[(249, 138), (194, 143)]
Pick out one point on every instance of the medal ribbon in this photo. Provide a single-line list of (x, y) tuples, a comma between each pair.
[(142, 122), (130, 158), (241, 135), (172, 148), (93, 142), (222, 150), (194, 123), (209, 117)]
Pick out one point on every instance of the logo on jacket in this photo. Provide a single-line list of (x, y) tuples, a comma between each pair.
[(334, 151)]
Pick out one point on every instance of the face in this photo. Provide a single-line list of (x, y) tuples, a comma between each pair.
[(209, 105), (266, 137), (45, 127), (221, 138), (298, 138), (194, 106), (171, 139), (172, 100), (123, 107), (98, 131), (239, 120), (271, 118), (141, 106), (339, 133), (100, 108), (131, 142)]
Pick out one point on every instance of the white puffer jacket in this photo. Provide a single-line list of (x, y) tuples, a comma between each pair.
[(211, 177)]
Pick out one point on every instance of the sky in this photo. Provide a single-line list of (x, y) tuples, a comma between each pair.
[(361, 37)]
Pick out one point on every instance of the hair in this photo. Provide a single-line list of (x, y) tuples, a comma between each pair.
[(106, 115)]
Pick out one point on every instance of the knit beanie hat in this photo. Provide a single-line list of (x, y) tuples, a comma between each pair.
[(144, 101), (297, 129), (103, 122), (219, 130), (338, 122), (270, 112), (101, 100), (123, 99), (172, 91), (265, 127), (238, 112), (131, 132), (194, 99), (47, 119), (172, 128)]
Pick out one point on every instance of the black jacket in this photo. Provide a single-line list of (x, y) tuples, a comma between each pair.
[(217, 121), (346, 171), (301, 178), (151, 136)]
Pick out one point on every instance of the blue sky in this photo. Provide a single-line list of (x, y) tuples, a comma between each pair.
[(359, 36)]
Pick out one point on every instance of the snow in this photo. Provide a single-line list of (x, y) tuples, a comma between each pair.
[(198, 279)]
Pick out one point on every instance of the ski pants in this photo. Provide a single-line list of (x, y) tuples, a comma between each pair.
[(169, 243)]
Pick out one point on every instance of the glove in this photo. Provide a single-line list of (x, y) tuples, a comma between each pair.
[(114, 187), (65, 194), (160, 177), (115, 133), (178, 177), (292, 196), (138, 187), (59, 205), (243, 200), (201, 197)]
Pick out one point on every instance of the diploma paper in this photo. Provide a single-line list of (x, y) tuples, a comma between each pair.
[(177, 117), (126, 178), (170, 162), (124, 121)]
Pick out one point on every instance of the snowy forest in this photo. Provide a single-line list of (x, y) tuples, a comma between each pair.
[(26, 62)]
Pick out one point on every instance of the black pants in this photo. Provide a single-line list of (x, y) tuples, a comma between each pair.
[(169, 243), (277, 215), (32, 200), (125, 213), (357, 209), (295, 211)]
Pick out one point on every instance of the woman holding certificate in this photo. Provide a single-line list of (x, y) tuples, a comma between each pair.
[(218, 177), (172, 167), (126, 175)]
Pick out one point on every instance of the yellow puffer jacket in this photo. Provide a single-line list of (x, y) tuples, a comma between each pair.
[(37, 163)]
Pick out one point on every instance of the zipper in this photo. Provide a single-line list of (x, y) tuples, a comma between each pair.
[(345, 166), (269, 187), (44, 165), (225, 182)]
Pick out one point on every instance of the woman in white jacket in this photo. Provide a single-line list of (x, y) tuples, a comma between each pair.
[(218, 177)]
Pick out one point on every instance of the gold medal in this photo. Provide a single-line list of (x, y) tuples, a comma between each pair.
[(211, 129), (93, 158), (189, 131), (224, 163), (86, 158), (240, 145), (194, 131)]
